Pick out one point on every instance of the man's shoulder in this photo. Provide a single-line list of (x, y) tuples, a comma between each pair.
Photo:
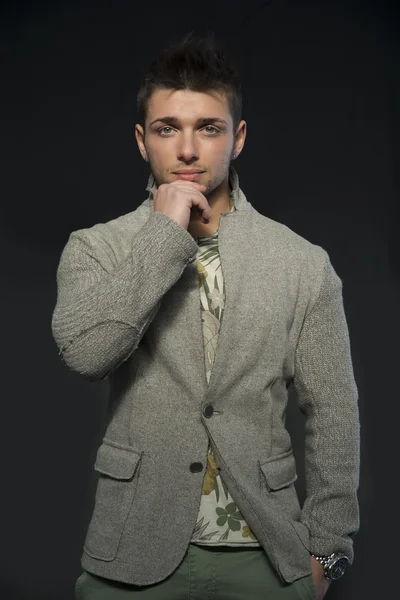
[(294, 256), (287, 243), (116, 233)]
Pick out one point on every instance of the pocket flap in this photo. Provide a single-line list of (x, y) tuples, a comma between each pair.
[(119, 463), (280, 470)]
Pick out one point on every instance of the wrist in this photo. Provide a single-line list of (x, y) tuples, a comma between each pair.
[(334, 565)]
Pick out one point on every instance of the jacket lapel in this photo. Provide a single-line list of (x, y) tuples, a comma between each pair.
[(182, 302)]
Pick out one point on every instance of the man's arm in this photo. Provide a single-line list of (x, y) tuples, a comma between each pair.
[(328, 396), (102, 312)]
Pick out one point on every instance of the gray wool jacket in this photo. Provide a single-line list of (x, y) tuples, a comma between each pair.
[(128, 310)]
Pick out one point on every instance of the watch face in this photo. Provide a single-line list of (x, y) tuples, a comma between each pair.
[(338, 568)]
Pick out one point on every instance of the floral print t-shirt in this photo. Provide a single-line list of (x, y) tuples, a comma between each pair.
[(219, 522)]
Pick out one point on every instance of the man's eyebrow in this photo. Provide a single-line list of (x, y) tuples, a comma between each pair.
[(201, 121)]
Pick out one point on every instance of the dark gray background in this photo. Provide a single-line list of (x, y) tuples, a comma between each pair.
[(320, 83)]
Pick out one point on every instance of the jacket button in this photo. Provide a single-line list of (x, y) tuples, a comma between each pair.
[(196, 467), (208, 411)]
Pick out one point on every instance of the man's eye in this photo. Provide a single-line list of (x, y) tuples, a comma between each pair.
[(215, 129), (207, 127)]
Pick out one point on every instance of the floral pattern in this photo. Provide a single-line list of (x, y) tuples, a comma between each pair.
[(219, 521)]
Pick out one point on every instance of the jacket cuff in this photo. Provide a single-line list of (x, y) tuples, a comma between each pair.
[(324, 546)]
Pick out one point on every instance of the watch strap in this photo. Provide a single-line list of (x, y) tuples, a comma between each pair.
[(328, 561)]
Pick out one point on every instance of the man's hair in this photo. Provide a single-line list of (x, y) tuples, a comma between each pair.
[(197, 63)]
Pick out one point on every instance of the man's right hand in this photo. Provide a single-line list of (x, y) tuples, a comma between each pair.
[(176, 200)]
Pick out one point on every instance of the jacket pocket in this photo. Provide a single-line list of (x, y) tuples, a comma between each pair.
[(118, 469), (279, 471)]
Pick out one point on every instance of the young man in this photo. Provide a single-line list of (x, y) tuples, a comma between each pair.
[(200, 328)]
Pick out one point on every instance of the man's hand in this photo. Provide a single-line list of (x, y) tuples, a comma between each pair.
[(318, 574), (178, 198)]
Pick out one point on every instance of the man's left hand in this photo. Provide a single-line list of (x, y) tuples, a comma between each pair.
[(320, 581)]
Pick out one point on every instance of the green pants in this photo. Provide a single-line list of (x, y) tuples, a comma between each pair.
[(206, 573)]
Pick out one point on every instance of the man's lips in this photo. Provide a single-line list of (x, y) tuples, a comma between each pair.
[(188, 176), (188, 171)]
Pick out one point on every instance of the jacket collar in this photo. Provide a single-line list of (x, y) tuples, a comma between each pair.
[(238, 197)]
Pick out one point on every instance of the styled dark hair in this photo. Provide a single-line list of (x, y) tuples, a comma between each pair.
[(198, 63)]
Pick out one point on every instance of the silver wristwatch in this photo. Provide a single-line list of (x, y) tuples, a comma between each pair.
[(334, 565)]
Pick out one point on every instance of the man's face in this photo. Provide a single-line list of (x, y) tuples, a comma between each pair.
[(186, 142)]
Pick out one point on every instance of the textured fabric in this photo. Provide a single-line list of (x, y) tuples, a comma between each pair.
[(221, 573), (219, 521), (128, 309)]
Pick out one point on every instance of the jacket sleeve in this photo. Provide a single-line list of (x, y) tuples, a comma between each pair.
[(101, 312), (327, 394)]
